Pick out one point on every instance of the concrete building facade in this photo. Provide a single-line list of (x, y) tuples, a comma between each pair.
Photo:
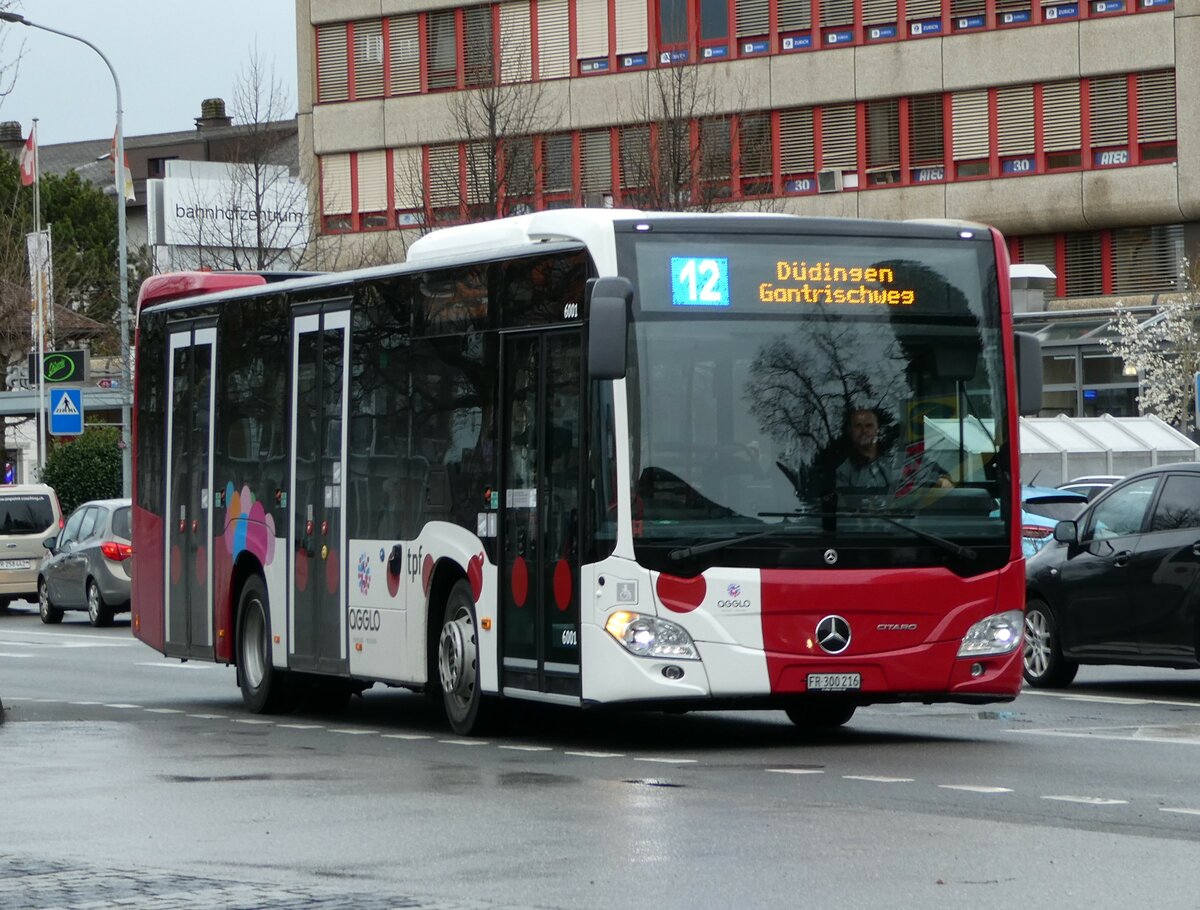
[(1071, 125)]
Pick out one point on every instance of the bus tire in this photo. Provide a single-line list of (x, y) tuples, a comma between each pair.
[(468, 710), (821, 713), (1044, 664), (264, 688)]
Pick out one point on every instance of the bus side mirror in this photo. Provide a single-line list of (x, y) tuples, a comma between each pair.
[(1029, 374), (608, 324)]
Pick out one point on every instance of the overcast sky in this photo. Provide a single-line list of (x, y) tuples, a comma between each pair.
[(169, 55)]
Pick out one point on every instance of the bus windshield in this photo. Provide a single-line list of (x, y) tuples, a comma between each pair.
[(791, 394)]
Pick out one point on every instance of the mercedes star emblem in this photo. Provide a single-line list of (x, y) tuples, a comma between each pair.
[(833, 634), (830, 556)]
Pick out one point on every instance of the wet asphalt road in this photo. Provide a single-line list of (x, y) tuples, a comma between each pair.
[(134, 781)]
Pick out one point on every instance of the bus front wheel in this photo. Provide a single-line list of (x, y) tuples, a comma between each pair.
[(821, 714), (264, 688), (467, 708)]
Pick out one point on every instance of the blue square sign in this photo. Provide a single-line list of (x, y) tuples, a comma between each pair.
[(66, 412)]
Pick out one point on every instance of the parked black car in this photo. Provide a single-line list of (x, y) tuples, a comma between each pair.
[(1120, 584)]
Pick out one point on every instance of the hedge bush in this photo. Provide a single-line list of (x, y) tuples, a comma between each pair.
[(85, 467)]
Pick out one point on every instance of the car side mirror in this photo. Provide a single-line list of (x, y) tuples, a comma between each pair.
[(51, 544), (1066, 532)]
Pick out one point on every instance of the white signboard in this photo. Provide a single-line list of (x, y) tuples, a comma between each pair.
[(211, 204)]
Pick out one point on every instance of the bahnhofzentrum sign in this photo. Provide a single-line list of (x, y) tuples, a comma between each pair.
[(213, 204)]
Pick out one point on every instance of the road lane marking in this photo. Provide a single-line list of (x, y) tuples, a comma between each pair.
[(253, 721), (210, 716), (668, 761), (1089, 800), (58, 636), (794, 771), (597, 754), (351, 732), (175, 665), (299, 726), (528, 748), (1135, 735), (1179, 811), (139, 707), (11, 654), (164, 711), (406, 736), (877, 779), (1111, 699), (465, 742), (974, 788)]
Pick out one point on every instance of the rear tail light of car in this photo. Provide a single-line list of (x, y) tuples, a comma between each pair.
[(116, 551), (1037, 532)]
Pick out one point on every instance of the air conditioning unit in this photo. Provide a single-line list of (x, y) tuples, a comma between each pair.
[(829, 181)]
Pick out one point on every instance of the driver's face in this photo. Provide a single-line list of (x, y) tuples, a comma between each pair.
[(864, 427)]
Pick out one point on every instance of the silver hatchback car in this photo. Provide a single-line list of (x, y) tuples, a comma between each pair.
[(89, 565)]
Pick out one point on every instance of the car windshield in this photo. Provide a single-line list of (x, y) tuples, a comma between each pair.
[(25, 514), (810, 416), (120, 523), (1058, 509)]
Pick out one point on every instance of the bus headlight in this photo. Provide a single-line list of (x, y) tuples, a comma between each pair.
[(649, 636), (997, 634)]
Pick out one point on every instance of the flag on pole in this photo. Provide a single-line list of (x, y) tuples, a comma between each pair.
[(29, 174), (125, 172)]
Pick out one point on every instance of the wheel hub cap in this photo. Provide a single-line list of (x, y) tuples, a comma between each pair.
[(456, 662)]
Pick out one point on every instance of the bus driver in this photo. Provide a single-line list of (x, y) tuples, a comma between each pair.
[(867, 467)]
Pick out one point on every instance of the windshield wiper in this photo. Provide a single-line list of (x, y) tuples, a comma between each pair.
[(685, 552), (948, 545)]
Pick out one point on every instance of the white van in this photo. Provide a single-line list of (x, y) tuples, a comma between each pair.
[(29, 513)]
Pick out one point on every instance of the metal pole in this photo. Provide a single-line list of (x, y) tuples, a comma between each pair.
[(40, 295), (122, 255)]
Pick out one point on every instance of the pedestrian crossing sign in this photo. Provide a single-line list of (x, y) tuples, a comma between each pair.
[(66, 412)]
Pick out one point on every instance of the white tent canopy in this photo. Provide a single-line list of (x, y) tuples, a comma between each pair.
[(1057, 449)]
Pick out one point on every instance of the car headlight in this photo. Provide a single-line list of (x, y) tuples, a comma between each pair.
[(649, 636), (997, 634)]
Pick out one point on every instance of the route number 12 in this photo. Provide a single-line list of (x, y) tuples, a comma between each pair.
[(699, 281)]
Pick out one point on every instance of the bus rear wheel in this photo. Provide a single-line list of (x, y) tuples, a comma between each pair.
[(264, 688), (467, 708), (821, 714)]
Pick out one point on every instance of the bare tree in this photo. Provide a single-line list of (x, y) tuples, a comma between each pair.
[(10, 62), (498, 123), (256, 219), (677, 154)]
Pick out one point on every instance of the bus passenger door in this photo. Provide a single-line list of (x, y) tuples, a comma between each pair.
[(541, 498), (317, 539), (189, 516)]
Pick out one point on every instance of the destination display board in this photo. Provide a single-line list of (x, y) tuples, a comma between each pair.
[(767, 274)]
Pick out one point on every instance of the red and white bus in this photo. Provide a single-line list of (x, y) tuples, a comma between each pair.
[(591, 458)]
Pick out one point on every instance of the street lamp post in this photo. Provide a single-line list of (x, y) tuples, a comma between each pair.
[(122, 254)]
